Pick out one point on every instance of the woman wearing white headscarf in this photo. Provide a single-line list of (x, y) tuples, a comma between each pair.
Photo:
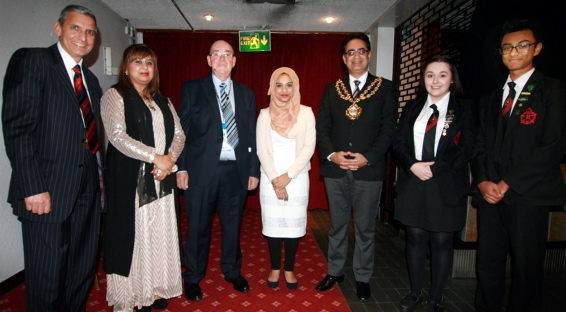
[(286, 139)]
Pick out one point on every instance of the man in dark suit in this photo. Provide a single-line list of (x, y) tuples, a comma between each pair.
[(355, 127), (522, 138), (217, 167), (50, 118)]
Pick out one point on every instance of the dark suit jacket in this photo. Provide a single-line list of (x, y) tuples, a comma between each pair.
[(371, 134), (43, 130), (200, 117), (450, 170), (527, 154)]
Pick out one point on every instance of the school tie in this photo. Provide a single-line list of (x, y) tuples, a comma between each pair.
[(508, 101), (86, 110), (430, 135), (229, 119), (357, 90)]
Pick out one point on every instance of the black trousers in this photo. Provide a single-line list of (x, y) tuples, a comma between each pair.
[(224, 194), (520, 232)]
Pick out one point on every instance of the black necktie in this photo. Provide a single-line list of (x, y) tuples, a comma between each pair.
[(506, 109), (430, 135)]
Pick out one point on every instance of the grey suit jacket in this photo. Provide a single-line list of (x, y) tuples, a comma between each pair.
[(43, 130)]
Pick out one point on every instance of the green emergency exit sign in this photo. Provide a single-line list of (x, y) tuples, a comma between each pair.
[(255, 41)]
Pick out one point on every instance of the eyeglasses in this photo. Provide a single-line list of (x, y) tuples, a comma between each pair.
[(218, 54), (522, 47), (361, 51)]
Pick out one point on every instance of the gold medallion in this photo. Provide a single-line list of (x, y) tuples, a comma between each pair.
[(353, 111)]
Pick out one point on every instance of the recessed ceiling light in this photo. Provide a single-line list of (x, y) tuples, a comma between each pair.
[(329, 19), (208, 17)]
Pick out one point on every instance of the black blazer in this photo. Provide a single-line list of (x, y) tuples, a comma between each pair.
[(371, 134), (527, 154), (200, 117), (43, 130), (450, 170)]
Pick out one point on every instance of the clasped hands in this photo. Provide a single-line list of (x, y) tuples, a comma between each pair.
[(279, 185), (164, 166), (493, 192), (349, 160)]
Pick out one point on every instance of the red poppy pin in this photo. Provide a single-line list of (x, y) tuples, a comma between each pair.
[(528, 117), (457, 137)]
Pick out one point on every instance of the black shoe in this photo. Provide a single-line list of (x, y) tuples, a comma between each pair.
[(433, 306), (409, 302), (160, 304), (328, 282), (239, 282), (143, 309), (193, 292), (363, 291), (289, 285)]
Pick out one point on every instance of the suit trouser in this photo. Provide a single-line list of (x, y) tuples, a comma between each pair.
[(521, 232), (60, 258), (347, 195), (226, 195)]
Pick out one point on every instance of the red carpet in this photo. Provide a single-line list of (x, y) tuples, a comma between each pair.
[(219, 295)]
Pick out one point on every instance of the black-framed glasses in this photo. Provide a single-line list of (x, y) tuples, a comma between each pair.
[(360, 51), (522, 47)]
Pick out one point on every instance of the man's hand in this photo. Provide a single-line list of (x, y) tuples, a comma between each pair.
[(183, 180), (39, 203), (422, 170), (349, 160), (490, 192), (252, 183)]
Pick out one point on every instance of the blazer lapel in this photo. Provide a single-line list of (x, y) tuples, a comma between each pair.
[(210, 92), (412, 117), (524, 101), (61, 71), (450, 120)]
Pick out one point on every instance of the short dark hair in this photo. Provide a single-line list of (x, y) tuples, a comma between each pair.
[(77, 9), (353, 36), (132, 53), (521, 23), (456, 85)]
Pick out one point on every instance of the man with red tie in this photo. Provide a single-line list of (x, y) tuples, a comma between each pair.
[(51, 118), (521, 141)]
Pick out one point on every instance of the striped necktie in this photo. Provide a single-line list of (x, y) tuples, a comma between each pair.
[(86, 110), (229, 118), (357, 90)]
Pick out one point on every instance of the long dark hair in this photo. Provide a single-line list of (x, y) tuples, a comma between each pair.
[(455, 87), (132, 53)]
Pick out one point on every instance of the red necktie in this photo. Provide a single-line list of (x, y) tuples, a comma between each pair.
[(86, 110), (430, 135), (509, 100)]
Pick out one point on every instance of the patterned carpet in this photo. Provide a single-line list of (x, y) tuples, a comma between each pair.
[(219, 295)]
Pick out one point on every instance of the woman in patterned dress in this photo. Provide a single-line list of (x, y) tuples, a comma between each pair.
[(286, 139), (140, 238)]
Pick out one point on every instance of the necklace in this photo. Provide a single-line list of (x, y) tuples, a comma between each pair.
[(354, 111), (149, 104)]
